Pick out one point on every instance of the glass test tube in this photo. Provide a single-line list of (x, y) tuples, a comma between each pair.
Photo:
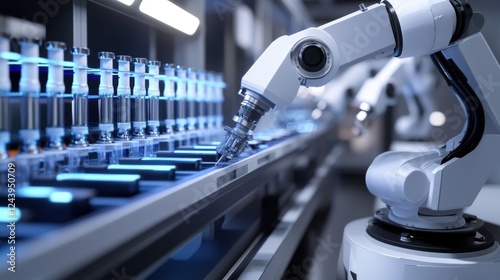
[(169, 94), (106, 91), (210, 99), (29, 86), (55, 95), (219, 100), (80, 91), (123, 92), (154, 99), (200, 99), (180, 98), (139, 95), (5, 87), (192, 121)]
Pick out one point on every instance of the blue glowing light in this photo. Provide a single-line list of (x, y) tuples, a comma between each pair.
[(10, 55), (168, 159), (206, 147), (98, 177), (8, 215), (141, 167), (61, 197), (35, 192), (195, 152)]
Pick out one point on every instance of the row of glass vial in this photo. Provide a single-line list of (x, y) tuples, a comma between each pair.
[(193, 101), (194, 98)]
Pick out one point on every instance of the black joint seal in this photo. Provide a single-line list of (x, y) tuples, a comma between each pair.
[(464, 14)]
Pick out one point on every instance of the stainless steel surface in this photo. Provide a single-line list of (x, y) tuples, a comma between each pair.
[(153, 99), (170, 120), (106, 107), (139, 117), (55, 110), (139, 94), (154, 116), (30, 110), (169, 95), (80, 109), (123, 113), (252, 108)]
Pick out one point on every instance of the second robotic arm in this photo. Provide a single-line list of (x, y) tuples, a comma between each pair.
[(414, 79)]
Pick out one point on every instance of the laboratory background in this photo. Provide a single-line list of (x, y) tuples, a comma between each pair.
[(250, 139)]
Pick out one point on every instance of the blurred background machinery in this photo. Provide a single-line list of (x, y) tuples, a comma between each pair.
[(103, 88)]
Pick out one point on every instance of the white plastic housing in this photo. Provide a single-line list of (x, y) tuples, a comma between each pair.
[(55, 79), (426, 25), (169, 91), (79, 84), (191, 84), (106, 82), (181, 92), (370, 259), (154, 71), (29, 69), (154, 87), (139, 79), (353, 38), (123, 78)]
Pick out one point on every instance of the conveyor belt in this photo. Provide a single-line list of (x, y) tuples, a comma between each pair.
[(227, 206)]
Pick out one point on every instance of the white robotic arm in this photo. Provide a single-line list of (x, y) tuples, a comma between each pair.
[(435, 187), (424, 233), (423, 190), (312, 57), (426, 193)]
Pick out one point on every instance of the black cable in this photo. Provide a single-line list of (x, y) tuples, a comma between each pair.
[(473, 107)]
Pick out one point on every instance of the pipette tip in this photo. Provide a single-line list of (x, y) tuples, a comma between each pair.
[(221, 158)]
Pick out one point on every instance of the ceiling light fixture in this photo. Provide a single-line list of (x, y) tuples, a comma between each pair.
[(170, 14), (126, 2)]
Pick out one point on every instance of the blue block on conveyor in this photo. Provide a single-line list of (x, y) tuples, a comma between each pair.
[(118, 185), (49, 204), (147, 172), (184, 164), (198, 147), (206, 156)]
